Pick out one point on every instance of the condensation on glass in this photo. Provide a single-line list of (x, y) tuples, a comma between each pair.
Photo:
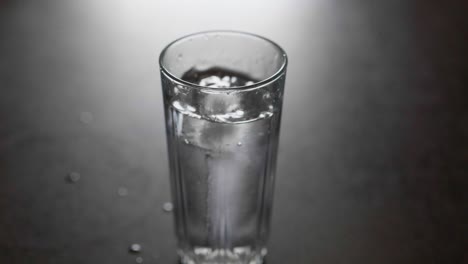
[(223, 94)]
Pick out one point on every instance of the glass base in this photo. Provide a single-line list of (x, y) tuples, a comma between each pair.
[(221, 256)]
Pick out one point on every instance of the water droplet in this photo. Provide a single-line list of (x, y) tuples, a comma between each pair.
[(191, 108), (240, 112), (186, 141), (122, 191), (73, 177), (249, 83), (135, 248), (239, 143), (139, 260), (202, 251), (242, 250), (264, 251), (86, 117), (168, 207)]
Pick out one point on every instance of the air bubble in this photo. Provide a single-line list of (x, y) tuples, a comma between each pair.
[(122, 191), (168, 207)]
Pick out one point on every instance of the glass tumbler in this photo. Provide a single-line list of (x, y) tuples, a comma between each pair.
[(223, 93)]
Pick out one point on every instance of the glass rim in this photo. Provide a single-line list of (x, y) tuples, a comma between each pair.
[(253, 86)]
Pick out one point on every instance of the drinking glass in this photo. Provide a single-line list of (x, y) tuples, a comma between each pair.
[(223, 93)]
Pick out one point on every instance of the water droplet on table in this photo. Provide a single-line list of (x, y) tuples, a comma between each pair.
[(73, 177), (168, 207), (86, 117), (135, 248), (122, 191)]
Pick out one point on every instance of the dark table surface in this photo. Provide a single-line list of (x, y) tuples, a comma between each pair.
[(373, 159)]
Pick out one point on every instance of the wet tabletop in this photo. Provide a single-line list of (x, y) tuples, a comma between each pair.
[(373, 159)]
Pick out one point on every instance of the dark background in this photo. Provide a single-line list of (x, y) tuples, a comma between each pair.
[(373, 158)]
